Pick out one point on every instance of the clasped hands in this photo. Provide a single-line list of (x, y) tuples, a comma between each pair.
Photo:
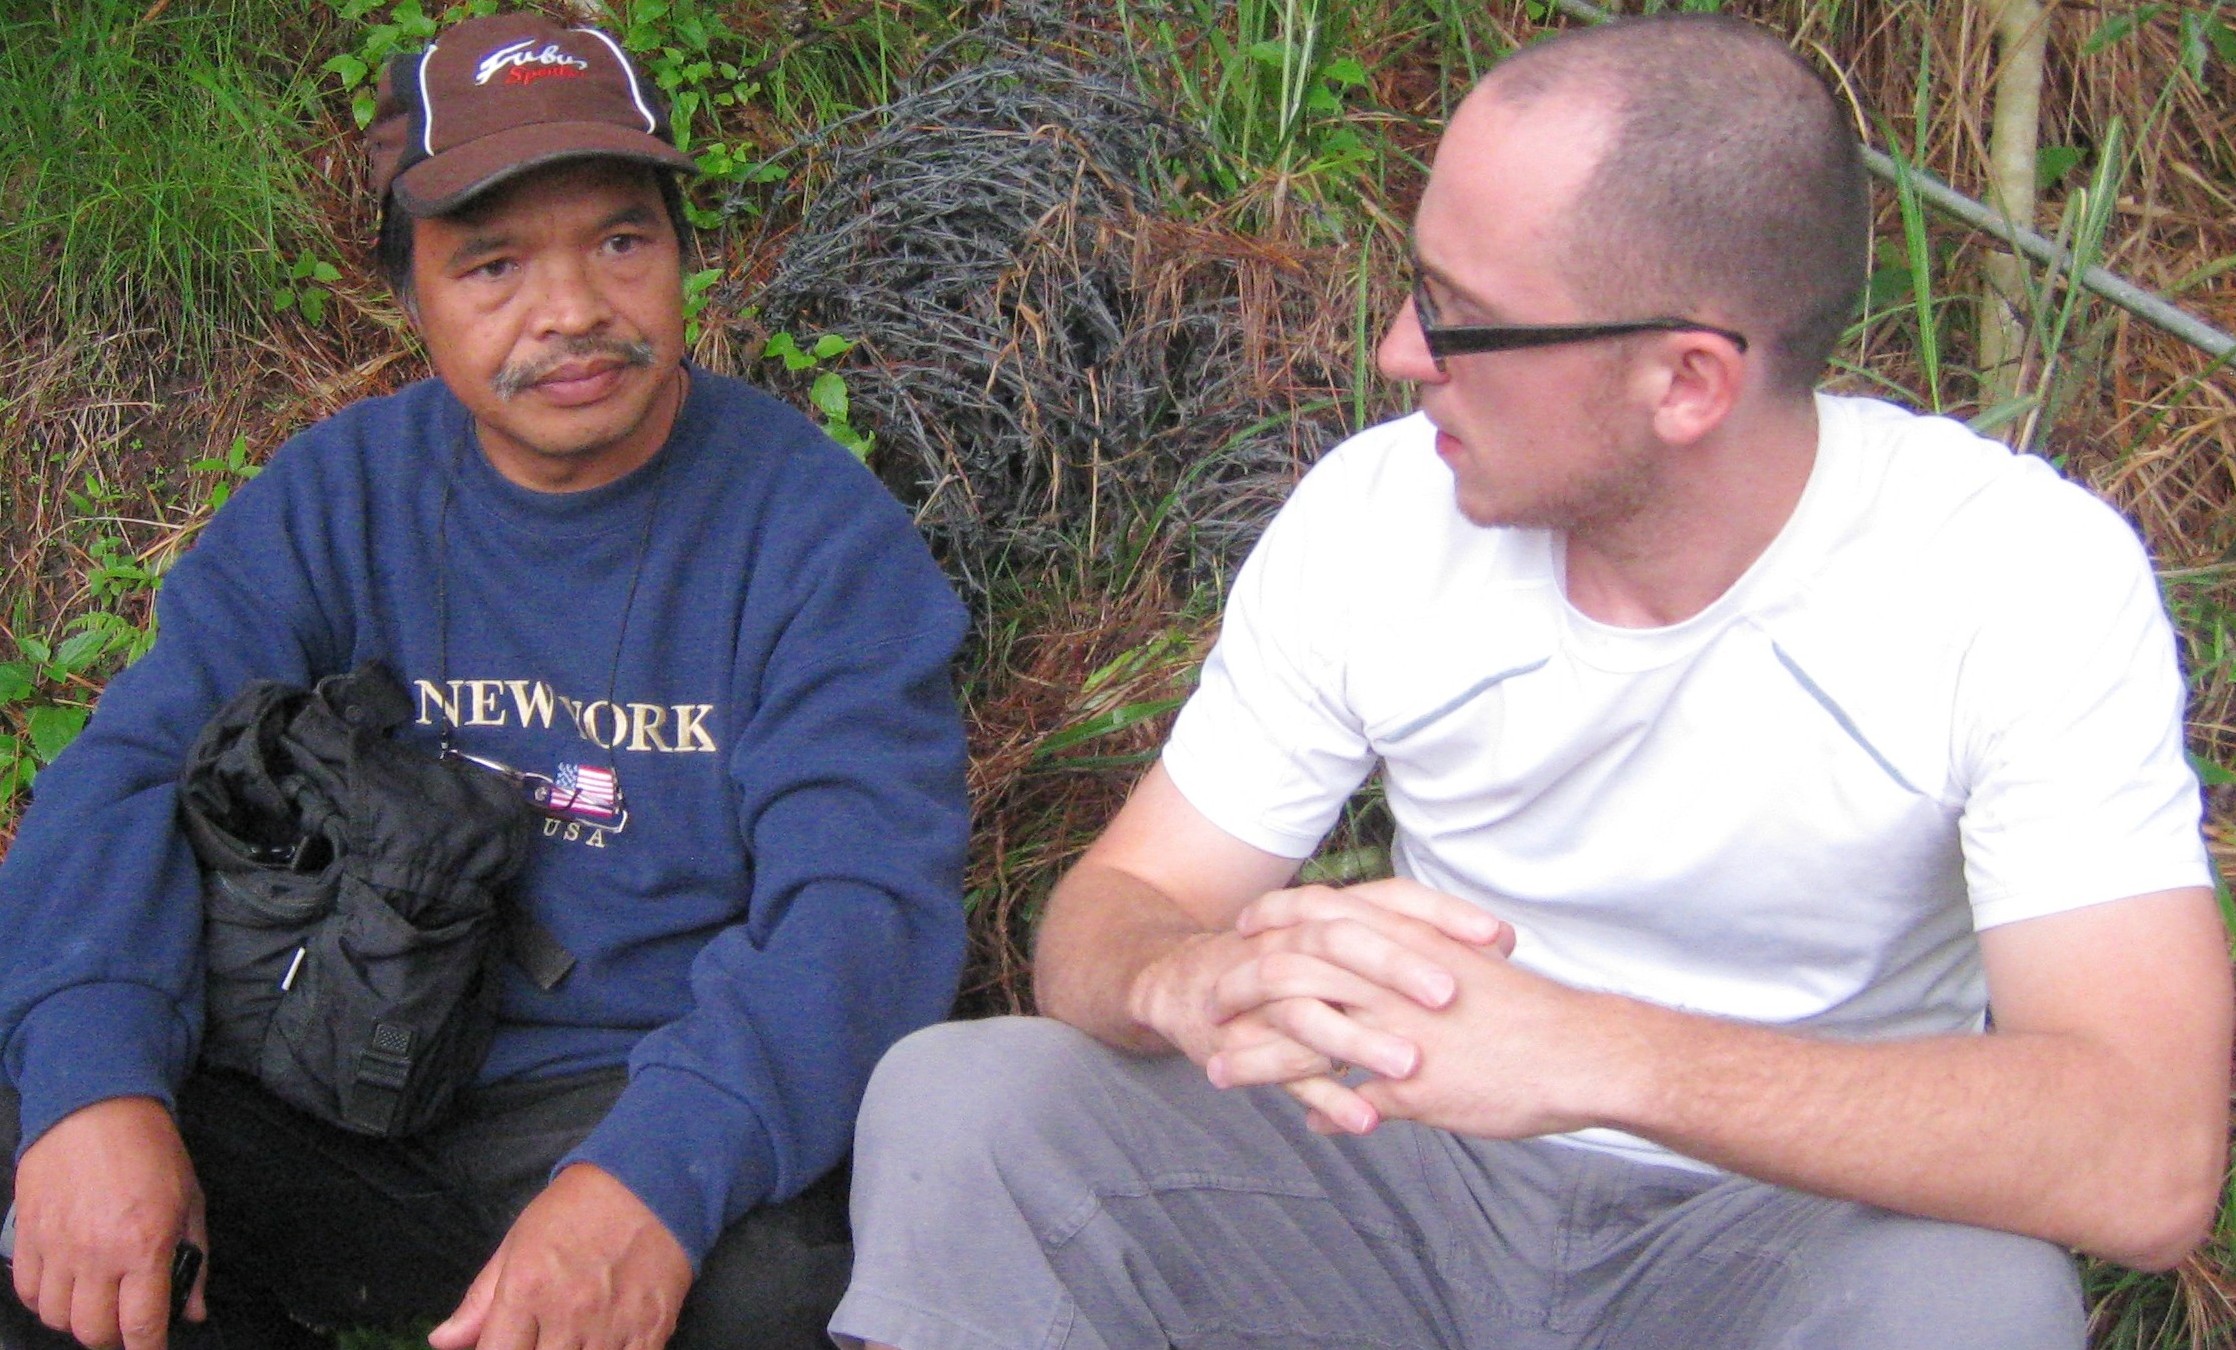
[(1408, 986)]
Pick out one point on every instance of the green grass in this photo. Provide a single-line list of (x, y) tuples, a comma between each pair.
[(1266, 82), (153, 165)]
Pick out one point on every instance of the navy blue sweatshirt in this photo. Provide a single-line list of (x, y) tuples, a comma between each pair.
[(783, 900)]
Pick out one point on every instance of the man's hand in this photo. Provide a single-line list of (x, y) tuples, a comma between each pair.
[(586, 1264), (2112, 1025), (102, 1200), (1510, 1055), (1269, 1002)]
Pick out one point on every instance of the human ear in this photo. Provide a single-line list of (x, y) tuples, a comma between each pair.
[(1701, 379)]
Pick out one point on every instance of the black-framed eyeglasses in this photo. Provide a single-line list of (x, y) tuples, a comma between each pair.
[(1468, 340)]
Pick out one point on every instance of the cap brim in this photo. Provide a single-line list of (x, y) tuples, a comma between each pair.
[(442, 184)]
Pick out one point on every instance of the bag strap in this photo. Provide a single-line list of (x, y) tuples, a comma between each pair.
[(533, 947)]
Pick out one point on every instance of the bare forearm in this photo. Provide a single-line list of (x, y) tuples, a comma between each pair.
[(1103, 929), (2040, 1133), (2096, 1114)]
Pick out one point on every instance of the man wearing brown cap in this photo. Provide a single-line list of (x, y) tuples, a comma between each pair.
[(701, 636)]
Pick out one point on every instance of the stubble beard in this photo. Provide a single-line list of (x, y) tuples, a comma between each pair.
[(1623, 480)]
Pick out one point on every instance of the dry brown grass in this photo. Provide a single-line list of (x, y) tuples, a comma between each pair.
[(1067, 652)]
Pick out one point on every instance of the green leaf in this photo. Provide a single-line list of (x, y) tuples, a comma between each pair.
[(830, 345), (2192, 47), (1346, 71), (1889, 286), (15, 682), (313, 303), (784, 346), (829, 394), (1268, 53), (351, 70), (52, 728), (2118, 27), (82, 650), (37, 649), (2223, 39), (1103, 724), (412, 18), (2053, 162), (2002, 414), (1345, 867), (2210, 773)]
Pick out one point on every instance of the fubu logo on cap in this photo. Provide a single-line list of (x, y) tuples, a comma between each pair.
[(522, 66)]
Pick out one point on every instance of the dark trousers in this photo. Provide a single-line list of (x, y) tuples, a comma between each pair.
[(339, 1230)]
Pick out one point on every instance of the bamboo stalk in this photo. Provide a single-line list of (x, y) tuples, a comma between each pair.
[(2014, 142)]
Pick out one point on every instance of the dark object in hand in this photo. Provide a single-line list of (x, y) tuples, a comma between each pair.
[(186, 1263)]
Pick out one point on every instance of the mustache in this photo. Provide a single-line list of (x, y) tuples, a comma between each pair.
[(516, 377)]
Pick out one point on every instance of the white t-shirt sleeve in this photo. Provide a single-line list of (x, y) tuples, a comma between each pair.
[(2071, 734), (1266, 747)]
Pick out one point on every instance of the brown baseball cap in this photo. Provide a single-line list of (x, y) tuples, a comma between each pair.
[(496, 96)]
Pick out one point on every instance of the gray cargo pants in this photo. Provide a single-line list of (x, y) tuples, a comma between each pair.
[(1017, 1184)]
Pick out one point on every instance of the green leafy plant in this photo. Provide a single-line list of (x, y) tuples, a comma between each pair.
[(681, 44), (305, 291), (232, 468), (45, 694), (828, 390), (695, 288), (407, 27), (698, 61)]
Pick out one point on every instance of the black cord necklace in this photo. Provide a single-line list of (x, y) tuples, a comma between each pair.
[(551, 796)]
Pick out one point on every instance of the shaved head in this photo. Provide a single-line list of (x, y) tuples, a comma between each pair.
[(1730, 188)]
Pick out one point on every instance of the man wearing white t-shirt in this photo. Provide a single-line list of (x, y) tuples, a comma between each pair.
[(1801, 934)]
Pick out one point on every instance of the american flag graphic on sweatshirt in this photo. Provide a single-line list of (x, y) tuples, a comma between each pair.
[(581, 790)]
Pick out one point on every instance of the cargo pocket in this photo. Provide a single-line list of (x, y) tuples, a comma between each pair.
[(385, 1021), (254, 929)]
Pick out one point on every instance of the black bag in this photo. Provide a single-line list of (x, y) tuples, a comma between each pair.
[(355, 909)]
